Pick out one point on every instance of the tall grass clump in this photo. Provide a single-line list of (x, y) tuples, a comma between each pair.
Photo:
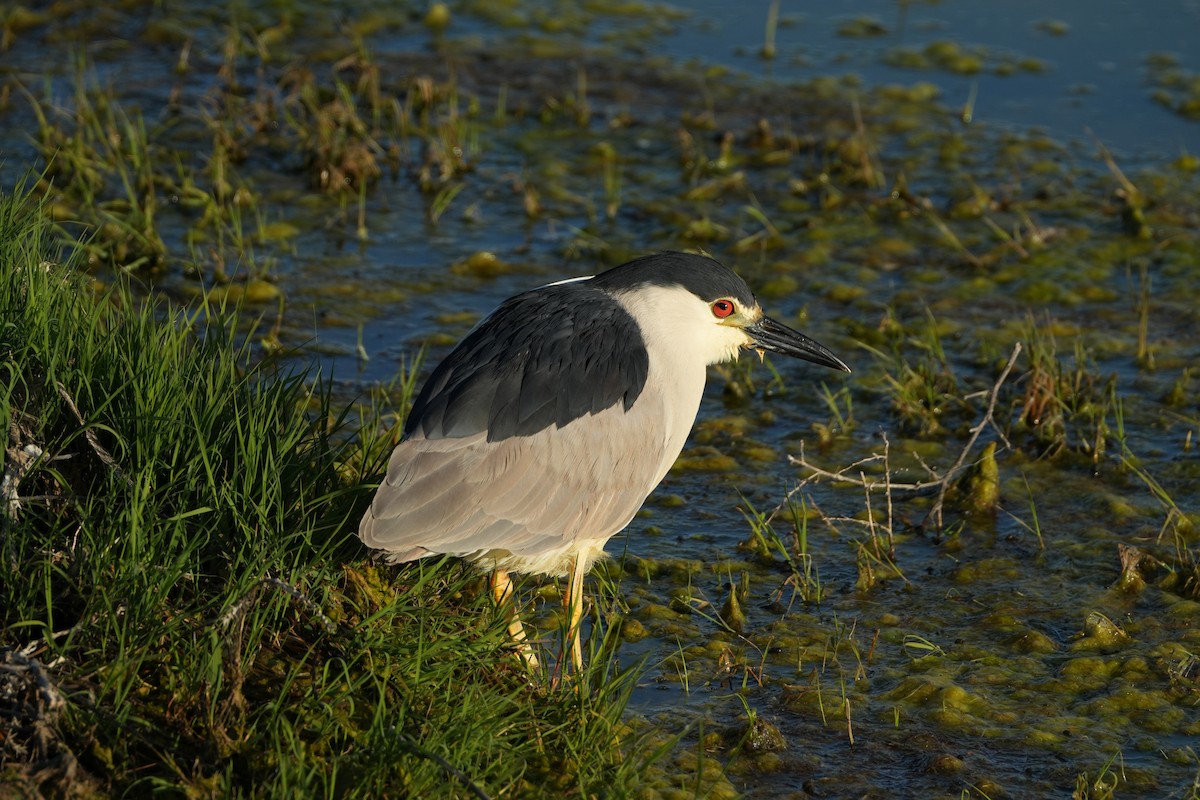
[(184, 606)]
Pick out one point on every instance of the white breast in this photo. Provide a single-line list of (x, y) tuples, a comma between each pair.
[(681, 339)]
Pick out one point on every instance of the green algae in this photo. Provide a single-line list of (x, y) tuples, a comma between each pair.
[(1173, 86), (253, 291), (952, 57), (981, 486)]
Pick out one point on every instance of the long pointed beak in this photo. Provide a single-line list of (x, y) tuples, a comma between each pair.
[(779, 338)]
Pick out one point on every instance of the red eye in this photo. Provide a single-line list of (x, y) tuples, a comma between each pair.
[(722, 308)]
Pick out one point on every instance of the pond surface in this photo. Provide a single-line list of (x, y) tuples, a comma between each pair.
[(1075, 69), (999, 654)]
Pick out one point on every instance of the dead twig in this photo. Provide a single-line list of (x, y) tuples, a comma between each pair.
[(988, 420), (104, 456), (16, 662), (940, 482), (236, 610), (29, 703), (18, 463), (451, 770)]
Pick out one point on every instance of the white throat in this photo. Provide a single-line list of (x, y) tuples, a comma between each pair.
[(682, 339)]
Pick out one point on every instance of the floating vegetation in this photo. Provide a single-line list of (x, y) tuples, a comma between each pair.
[(1174, 87), (1052, 27), (953, 57), (859, 27)]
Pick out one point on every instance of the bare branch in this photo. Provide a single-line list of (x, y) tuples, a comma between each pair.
[(235, 611), (936, 511), (941, 482)]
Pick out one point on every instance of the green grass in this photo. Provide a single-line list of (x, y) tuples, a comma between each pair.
[(184, 606)]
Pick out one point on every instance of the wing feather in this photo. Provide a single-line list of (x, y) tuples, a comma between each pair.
[(525, 495), (542, 359)]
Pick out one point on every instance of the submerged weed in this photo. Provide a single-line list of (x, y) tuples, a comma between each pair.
[(1064, 406), (925, 390)]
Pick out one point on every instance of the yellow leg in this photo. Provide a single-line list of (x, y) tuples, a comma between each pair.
[(502, 593), (573, 602)]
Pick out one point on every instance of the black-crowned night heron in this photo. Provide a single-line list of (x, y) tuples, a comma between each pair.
[(540, 435)]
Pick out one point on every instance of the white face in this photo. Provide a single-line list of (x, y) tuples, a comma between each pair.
[(688, 327)]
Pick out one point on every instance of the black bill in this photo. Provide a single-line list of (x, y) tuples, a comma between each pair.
[(779, 338)]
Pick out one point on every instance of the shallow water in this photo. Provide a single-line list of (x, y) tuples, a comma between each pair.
[(1090, 79), (970, 659)]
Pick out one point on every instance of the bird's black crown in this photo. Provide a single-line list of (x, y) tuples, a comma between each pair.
[(702, 276)]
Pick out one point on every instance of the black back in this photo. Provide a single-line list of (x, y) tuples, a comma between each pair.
[(553, 354), (545, 357)]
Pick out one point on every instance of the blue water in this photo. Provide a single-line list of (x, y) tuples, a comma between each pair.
[(1095, 83)]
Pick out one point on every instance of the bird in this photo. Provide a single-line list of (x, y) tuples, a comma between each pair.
[(540, 435)]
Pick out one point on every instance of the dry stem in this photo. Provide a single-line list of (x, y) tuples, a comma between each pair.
[(941, 482)]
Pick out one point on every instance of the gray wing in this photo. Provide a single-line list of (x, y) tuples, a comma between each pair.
[(529, 496), (543, 358)]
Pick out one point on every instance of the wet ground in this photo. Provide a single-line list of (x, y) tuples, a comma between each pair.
[(922, 187)]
